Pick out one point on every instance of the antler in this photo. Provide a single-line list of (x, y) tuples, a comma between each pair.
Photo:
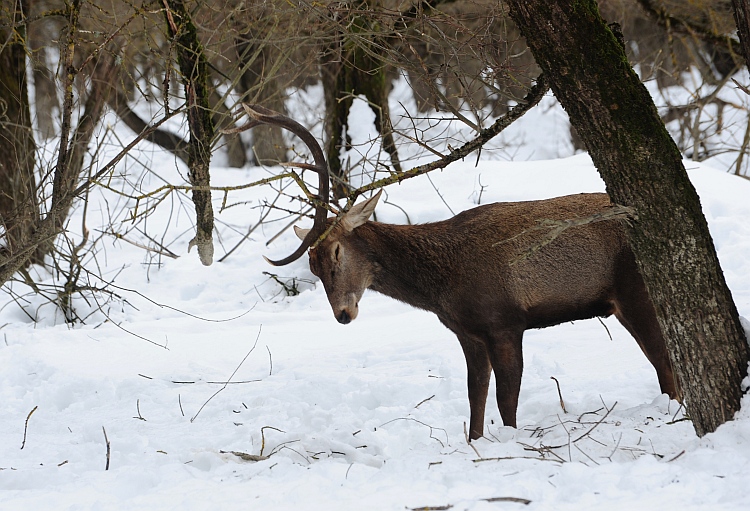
[(261, 115)]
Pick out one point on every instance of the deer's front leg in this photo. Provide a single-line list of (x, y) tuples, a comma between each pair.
[(507, 362)]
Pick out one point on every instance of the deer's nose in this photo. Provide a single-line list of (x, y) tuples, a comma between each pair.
[(344, 317)]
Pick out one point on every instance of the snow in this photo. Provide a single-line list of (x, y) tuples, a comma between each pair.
[(363, 416)]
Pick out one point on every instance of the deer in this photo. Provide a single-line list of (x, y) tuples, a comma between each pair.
[(488, 274)]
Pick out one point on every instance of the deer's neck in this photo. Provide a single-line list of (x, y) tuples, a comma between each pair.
[(413, 262)]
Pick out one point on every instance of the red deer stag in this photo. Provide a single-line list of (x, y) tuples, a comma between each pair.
[(488, 274)]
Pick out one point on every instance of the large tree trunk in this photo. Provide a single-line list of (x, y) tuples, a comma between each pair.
[(616, 118), (19, 209)]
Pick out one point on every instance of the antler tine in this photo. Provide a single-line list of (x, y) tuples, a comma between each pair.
[(266, 116)]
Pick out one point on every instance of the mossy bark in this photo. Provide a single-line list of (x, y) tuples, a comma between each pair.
[(585, 61), (195, 79)]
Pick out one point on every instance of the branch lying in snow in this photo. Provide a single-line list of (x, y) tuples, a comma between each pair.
[(424, 401), (245, 456), (547, 448), (491, 499), (505, 458)]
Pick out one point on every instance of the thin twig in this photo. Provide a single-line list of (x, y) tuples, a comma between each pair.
[(263, 437), (165, 306), (423, 424), (468, 442), (555, 228), (508, 499), (230, 378), (587, 433), (138, 408), (424, 400), (605, 327), (505, 458), (250, 230), (559, 393), (245, 456), (109, 449), (164, 251), (677, 456), (26, 426)]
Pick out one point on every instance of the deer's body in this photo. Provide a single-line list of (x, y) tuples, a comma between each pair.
[(487, 273), (486, 277), (470, 265)]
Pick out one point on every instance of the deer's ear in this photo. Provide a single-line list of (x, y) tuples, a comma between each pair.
[(300, 232), (360, 212)]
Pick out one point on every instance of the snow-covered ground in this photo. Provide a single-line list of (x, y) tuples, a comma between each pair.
[(215, 390)]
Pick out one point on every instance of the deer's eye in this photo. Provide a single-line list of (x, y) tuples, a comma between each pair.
[(336, 253)]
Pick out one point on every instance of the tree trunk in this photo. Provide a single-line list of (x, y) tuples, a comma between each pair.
[(42, 34), (222, 118), (19, 208), (259, 83), (195, 78), (349, 69), (616, 118)]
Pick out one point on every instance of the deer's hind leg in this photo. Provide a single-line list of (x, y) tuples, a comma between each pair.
[(478, 380), (507, 363), (635, 311)]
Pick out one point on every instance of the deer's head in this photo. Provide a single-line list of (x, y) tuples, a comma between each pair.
[(344, 270), (340, 263)]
